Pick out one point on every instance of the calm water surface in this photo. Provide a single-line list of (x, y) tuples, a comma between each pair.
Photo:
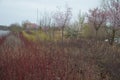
[(3, 33)]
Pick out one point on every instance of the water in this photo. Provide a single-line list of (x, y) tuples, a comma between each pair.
[(3, 33)]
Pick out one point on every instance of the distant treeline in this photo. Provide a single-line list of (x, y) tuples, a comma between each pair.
[(2, 27), (10, 28)]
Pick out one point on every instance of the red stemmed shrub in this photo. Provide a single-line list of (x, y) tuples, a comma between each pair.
[(68, 60)]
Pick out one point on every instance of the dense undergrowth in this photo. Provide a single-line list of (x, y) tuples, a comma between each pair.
[(68, 60), (2, 40)]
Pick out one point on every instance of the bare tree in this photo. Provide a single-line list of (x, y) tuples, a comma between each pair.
[(81, 19), (97, 18), (45, 23), (112, 7), (62, 18), (45, 20)]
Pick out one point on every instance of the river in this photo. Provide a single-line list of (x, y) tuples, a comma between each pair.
[(3, 33)]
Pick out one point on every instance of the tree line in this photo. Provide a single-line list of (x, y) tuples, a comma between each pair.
[(102, 22)]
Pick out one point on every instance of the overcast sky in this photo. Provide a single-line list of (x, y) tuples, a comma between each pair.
[(16, 11)]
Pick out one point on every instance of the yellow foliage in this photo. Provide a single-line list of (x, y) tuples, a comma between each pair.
[(57, 36), (35, 35), (28, 36), (41, 35)]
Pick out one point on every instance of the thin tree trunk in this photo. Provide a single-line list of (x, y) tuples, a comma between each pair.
[(62, 34), (112, 37), (96, 34)]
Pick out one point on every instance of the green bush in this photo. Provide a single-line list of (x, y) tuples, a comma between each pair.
[(71, 33)]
